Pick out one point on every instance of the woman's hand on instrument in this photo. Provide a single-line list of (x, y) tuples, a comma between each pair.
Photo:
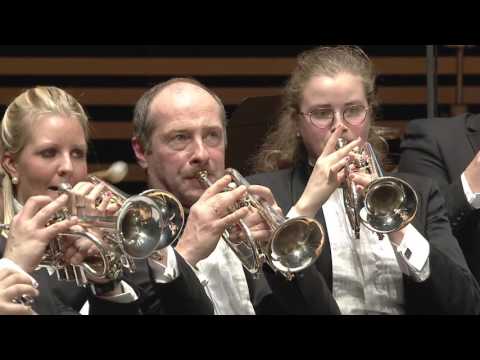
[(78, 248), (29, 236), (98, 198), (327, 175), (13, 285), (97, 202), (361, 180)]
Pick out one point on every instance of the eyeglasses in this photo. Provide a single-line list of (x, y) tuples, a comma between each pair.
[(324, 117)]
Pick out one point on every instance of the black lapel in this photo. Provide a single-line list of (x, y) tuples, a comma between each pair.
[(473, 131), (2, 246), (300, 176), (43, 304)]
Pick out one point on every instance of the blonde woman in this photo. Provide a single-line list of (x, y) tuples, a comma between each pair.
[(44, 142)]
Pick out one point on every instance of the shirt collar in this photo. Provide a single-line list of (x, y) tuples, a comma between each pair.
[(17, 206)]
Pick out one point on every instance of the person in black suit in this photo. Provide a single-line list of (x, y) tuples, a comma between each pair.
[(447, 151), (418, 269), (179, 130)]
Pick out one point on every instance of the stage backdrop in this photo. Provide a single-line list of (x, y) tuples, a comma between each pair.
[(108, 80)]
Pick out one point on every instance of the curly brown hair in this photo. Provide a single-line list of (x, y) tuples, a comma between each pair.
[(282, 147)]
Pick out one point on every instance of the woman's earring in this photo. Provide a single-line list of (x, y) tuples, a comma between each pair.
[(298, 134), (14, 180)]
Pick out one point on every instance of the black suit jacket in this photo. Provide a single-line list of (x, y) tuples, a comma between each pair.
[(270, 293), (441, 149), (450, 289), (184, 295), (307, 294)]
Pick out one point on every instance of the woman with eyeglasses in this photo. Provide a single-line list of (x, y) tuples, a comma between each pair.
[(418, 269)]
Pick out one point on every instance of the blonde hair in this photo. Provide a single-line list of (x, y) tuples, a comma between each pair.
[(26, 108), (282, 147)]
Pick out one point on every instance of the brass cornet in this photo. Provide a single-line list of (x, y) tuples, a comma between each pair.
[(386, 205), (294, 245), (52, 259), (143, 224)]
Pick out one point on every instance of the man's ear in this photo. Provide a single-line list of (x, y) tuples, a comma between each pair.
[(9, 164), (139, 152)]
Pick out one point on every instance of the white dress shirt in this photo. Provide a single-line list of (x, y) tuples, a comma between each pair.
[(222, 276), (472, 198)]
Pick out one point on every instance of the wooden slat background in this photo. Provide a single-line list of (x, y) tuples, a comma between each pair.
[(108, 80)]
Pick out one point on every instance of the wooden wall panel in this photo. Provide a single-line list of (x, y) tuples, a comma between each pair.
[(108, 80)]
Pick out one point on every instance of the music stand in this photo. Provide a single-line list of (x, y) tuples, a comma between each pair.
[(247, 128)]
